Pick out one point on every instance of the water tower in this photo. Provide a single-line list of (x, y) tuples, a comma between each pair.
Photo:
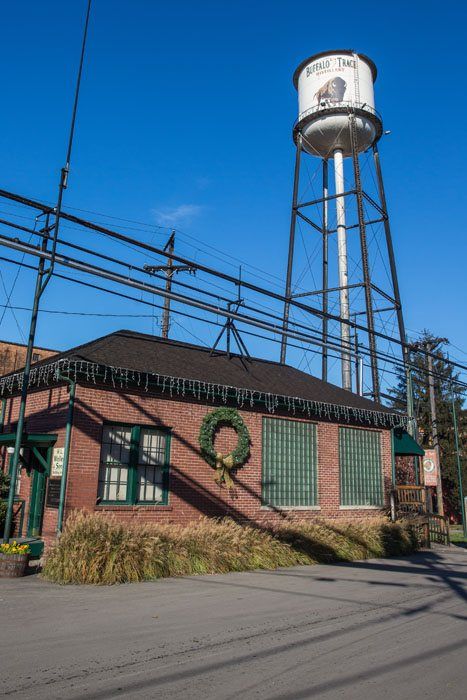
[(338, 123)]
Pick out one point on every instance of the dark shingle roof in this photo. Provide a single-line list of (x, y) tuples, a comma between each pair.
[(151, 354)]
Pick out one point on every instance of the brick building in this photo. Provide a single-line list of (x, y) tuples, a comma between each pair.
[(138, 403), (13, 356)]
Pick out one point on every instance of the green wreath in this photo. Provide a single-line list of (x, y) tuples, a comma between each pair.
[(224, 463)]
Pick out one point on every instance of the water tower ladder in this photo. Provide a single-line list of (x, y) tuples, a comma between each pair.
[(356, 78)]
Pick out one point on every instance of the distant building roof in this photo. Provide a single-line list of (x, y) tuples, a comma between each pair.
[(23, 345), (157, 361)]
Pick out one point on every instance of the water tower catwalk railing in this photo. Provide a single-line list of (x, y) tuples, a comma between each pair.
[(334, 132), (350, 105)]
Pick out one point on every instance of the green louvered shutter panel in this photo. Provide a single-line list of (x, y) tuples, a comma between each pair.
[(289, 466), (360, 467)]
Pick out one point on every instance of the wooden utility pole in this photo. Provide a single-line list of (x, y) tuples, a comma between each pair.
[(434, 428), (429, 346), (170, 270)]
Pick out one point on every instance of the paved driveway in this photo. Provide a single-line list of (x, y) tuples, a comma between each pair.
[(394, 628)]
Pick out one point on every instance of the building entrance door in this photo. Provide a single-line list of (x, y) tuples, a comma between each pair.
[(40, 463)]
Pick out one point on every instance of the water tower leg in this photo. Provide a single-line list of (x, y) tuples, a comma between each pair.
[(324, 365), (342, 267), (293, 221)]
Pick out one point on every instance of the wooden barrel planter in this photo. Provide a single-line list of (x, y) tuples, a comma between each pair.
[(13, 565)]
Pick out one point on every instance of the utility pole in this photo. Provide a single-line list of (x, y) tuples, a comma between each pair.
[(458, 459), (434, 429), (429, 346), (169, 270), (43, 277)]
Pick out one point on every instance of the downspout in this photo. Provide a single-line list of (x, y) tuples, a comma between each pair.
[(2, 415), (66, 455)]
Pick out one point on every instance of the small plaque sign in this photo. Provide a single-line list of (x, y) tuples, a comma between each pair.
[(57, 462), (53, 493)]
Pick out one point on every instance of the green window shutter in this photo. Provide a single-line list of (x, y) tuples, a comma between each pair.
[(289, 463), (360, 467)]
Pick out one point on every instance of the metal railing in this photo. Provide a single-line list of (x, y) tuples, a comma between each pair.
[(329, 105)]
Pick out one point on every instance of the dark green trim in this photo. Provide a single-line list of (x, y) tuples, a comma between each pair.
[(29, 439), (132, 484), (43, 462), (36, 503)]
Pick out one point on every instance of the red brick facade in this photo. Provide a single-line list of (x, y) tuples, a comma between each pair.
[(193, 492)]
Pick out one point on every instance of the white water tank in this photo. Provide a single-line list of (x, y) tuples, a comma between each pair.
[(331, 85)]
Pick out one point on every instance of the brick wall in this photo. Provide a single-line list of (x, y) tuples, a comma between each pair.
[(193, 491)]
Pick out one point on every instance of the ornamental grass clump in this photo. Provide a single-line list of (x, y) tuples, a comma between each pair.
[(93, 549), (332, 541), (97, 549)]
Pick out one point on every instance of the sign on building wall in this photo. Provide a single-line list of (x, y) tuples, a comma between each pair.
[(430, 467), (57, 462), (53, 493)]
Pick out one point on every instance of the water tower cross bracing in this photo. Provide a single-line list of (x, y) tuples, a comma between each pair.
[(338, 124)]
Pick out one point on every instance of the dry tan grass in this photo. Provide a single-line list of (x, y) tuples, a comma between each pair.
[(100, 550)]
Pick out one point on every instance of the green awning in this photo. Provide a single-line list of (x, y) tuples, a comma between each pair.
[(29, 439), (404, 444)]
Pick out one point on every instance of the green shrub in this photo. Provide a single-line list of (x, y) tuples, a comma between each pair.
[(100, 550)]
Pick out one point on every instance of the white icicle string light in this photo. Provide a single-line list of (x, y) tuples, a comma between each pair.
[(181, 386)]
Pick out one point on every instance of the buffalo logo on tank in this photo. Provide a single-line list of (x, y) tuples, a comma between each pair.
[(332, 91)]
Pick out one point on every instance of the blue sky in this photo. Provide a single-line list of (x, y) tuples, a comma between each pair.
[(185, 120)]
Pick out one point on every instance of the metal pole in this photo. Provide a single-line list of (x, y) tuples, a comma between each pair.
[(395, 284), (458, 458), (413, 429), (168, 285), (342, 267), (293, 221), (365, 262), (66, 456), (66, 169), (358, 368), (42, 279), (24, 392), (324, 365), (434, 432)]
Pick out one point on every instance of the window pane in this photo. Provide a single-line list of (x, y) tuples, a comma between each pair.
[(152, 457), (152, 447), (361, 478), (115, 457), (150, 484), (289, 463)]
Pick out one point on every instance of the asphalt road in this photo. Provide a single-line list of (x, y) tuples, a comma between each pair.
[(394, 628)]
